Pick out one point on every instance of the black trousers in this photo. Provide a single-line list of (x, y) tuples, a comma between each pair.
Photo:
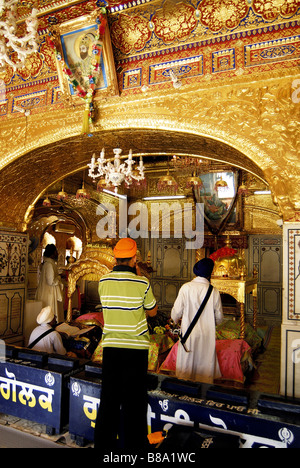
[(122, 417)]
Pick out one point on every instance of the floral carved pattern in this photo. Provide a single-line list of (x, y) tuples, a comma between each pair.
[(216, 14), (33, 66), (271, 9), (173, 24), (49, 56), (130, 33)]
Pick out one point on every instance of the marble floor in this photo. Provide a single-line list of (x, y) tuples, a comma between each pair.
[(20, 433)]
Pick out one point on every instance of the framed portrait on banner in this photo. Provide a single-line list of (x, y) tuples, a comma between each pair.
[(77, 42)]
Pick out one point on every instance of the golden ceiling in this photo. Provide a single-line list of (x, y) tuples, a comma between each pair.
[(238, 103)]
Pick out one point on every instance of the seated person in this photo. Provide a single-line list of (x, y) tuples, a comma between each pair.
[(44, 337)]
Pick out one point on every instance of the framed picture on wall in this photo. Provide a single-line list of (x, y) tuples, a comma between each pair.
[(219, 195), (75, 42)]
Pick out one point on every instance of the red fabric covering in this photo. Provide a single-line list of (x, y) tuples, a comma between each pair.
[(92, 316), (169, 363), (230, 354)]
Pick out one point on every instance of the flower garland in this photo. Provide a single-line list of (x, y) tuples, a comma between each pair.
[(86, 93)]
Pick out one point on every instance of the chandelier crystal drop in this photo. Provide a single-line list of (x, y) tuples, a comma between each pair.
[(115, 173), (14, 49)]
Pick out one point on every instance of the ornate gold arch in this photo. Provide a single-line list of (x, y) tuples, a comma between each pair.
[(250, 124)]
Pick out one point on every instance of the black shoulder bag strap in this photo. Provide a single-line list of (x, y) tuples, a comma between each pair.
[(193, 322), (39, 338)]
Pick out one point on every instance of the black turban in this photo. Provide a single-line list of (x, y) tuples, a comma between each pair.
[(204, 267)]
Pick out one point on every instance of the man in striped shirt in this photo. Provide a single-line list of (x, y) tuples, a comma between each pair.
[(126, 299)]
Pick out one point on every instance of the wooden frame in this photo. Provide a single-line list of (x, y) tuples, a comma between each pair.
[(69, 39)]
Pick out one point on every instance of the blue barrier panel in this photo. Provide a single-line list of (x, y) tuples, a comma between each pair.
[(85, 391), (34, 386), (206, 408), (254, 429)]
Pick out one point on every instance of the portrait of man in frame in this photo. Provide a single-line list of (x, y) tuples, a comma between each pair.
[(74, 42)]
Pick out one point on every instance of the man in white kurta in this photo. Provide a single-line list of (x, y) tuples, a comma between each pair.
[(50, 287), (200, 363), (51, 343)]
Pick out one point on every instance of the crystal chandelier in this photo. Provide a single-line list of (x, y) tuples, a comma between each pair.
[(13, 48), (117, 172), (188, 163)]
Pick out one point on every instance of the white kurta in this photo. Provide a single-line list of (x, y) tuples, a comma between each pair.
[(51, 343), (201, 363), (50, 288)]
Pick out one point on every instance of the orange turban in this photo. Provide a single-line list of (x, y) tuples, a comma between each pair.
[(125, 248)]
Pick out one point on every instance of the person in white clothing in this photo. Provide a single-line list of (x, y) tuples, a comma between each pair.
[(52, 342), (50, 287), (199, 362)]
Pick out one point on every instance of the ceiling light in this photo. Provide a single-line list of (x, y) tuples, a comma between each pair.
[(62, 195), (47, 202), (194, 181), (167, 183), (117, 172), (221, 184), (82, 193)]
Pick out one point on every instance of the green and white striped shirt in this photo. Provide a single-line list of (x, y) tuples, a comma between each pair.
[(125, 297)]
